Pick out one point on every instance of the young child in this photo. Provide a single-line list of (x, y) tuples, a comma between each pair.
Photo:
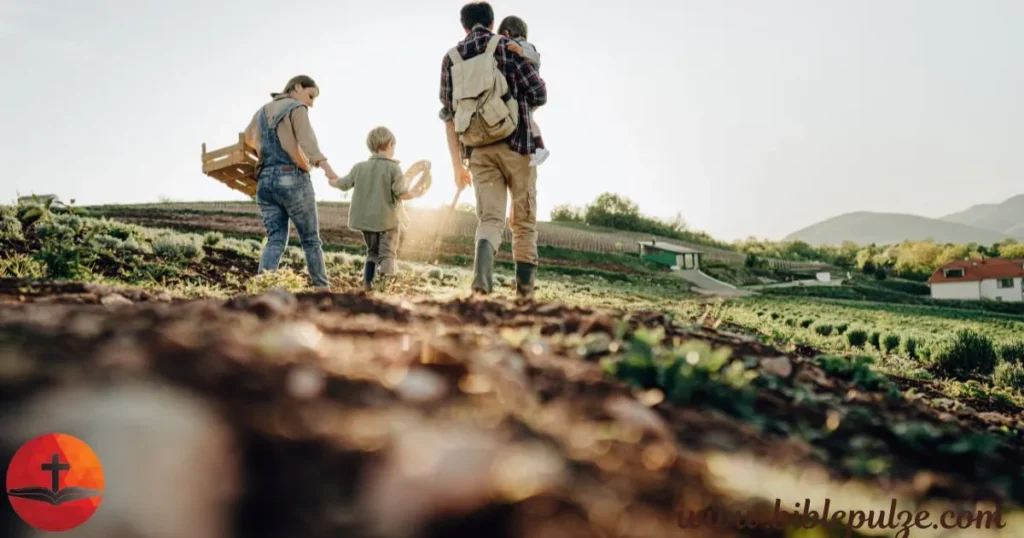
[(514, 28), (376, 209)]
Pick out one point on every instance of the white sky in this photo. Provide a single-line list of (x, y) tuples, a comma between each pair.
[(750, 117)]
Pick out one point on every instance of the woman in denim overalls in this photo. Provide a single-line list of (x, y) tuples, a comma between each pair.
[(285, 191)]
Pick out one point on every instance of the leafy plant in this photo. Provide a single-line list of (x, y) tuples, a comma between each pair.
[(21, 266), (966, 354), (284, 278), (212, 239), (858, 370), (1009, 375), (875, 339), (823, 329), (10, 226), (1012, 351), (178, 248), (857, 337), (693, 373), (890, 342), (909, 345)]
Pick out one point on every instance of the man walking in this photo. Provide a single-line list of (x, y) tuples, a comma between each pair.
[(486, 96)]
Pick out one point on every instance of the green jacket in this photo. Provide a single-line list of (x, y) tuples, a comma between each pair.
[(378, 183)]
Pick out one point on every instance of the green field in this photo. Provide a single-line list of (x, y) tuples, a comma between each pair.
[(871, 380)]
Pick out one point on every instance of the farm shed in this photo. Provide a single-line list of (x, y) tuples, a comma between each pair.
[(669, 255)]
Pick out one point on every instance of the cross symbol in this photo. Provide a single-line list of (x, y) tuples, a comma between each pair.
[(55, 467)]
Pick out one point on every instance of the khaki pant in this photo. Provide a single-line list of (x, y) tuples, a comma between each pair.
[(382, 249), (498, 171)]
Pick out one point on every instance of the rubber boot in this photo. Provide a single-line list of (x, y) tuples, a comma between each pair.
[(368, 271), (483, 268), (526, 274)]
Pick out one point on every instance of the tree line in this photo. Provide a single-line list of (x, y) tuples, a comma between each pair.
[(913, 260)]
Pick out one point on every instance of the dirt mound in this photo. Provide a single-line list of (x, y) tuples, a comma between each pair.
[(343, 415)]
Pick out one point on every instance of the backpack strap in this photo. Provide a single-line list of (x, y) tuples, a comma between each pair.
[(455, 56), (492, 45)]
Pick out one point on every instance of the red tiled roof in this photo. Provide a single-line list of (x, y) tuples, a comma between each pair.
[(975, 270)]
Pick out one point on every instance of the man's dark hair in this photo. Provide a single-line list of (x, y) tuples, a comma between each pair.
[(476, 13), (515, 27)]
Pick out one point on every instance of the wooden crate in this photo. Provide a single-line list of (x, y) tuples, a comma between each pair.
[(234, 166)]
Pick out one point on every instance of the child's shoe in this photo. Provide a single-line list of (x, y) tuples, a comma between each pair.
[(539, 157)]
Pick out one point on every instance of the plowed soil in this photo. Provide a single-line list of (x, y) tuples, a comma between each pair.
[(353, 416)]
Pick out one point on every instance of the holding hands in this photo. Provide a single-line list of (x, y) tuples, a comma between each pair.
[(332, 176)]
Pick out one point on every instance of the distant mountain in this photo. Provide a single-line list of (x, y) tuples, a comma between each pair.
[(863, 228), (1006, 217)]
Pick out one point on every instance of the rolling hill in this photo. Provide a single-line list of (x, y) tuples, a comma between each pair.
[(1006, 217), (863, 228)]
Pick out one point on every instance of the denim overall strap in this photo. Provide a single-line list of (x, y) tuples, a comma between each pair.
[(272, 155)]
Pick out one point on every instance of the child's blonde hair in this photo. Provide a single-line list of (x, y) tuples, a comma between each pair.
[(379, 138)]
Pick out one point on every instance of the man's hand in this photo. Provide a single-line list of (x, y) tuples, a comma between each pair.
[(333, 182), (515, 47), (463, 177)]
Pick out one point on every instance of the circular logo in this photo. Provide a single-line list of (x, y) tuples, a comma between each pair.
[(55, 482)]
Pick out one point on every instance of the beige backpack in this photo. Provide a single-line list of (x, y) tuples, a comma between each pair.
[(478, 86)]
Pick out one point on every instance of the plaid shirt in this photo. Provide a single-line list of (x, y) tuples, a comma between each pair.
[(524, 83)]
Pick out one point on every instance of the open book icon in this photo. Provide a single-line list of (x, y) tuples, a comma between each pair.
[(37, 493)]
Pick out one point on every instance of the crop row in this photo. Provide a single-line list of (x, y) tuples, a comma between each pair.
[(334, 216), (921, 340)]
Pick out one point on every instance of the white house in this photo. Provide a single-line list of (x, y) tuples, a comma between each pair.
[(998, 279)]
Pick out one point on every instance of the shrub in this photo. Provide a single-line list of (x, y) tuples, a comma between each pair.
[(875, 338), (106, 242), (238, 246), (74, 222), (177, 247), (890, 342), (21, 266), (10, 226), (1012, 351), (51, 230), (117, 229), (842, 327), (909, 346), (775, 315), (135, 246), (824, 329), (967, 353), (924, 349), (285, 278), (212, 239), (1009, 375), (806, 323), (857, 337)]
